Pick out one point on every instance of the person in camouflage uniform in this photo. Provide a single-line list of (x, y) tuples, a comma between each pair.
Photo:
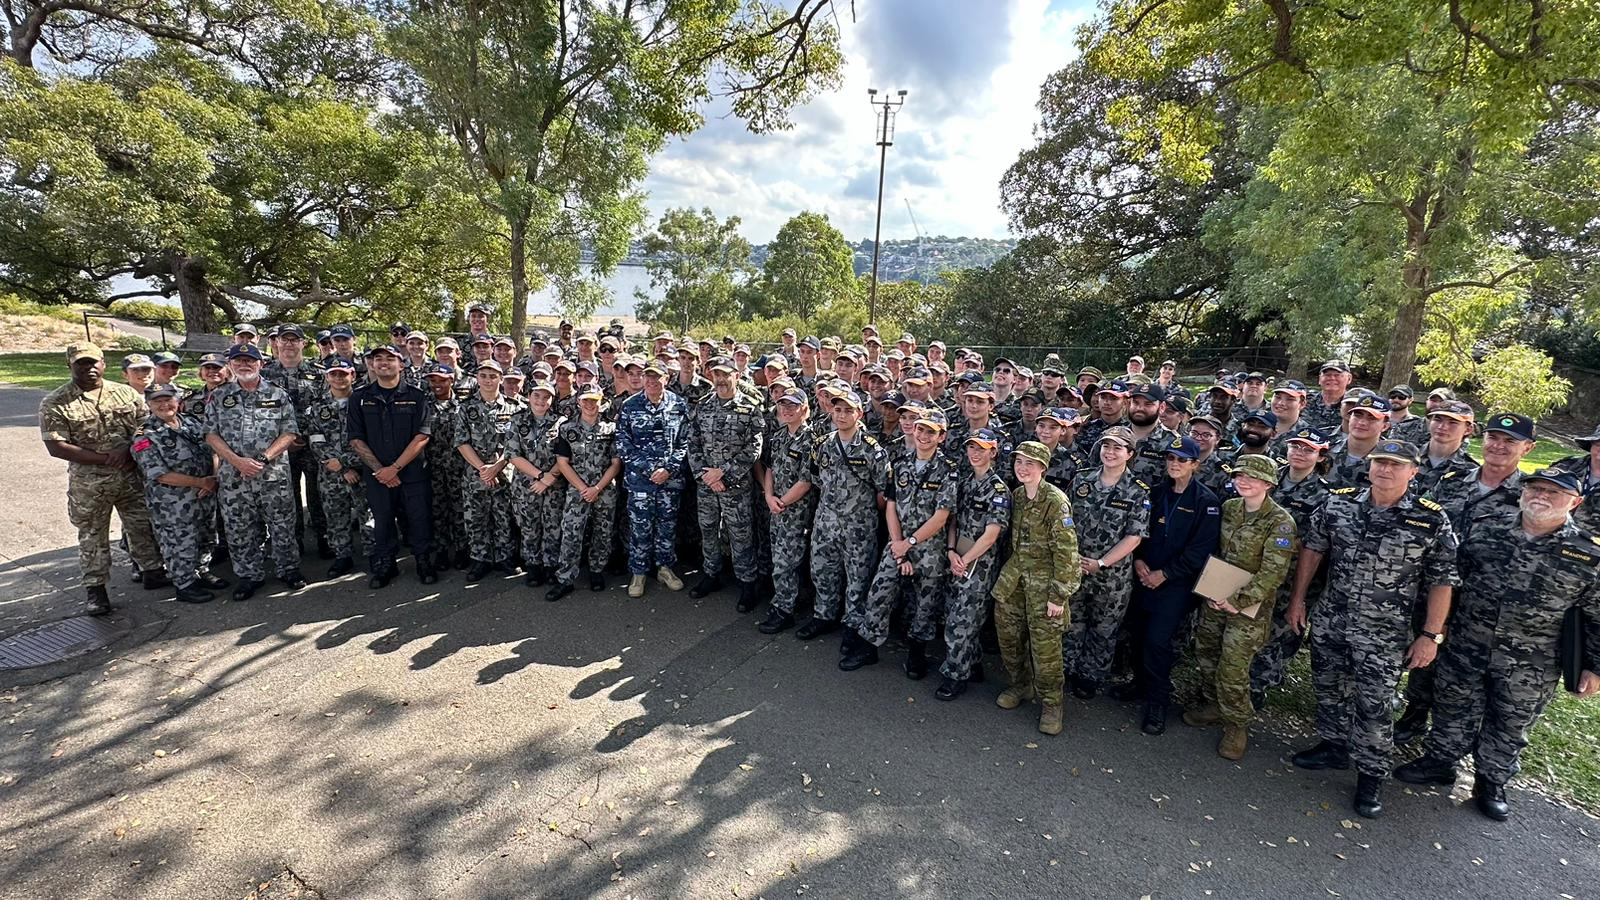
[(538, 491), (252, 425), (1112, 510), (344, 498), (851, 472), (921, 494), (1033, 593), (1450, 424), (180, 491), (1586, 469), (1057, 429), (301, 379), (982, 513), (725, 435), (1403, 426), (1520, 573), (655, 435), (977, 408), (445, 467), (1258, 536), (1369, 416), (1322, 408), (1385, 551), (791, 503), (1213, 472), (481, 432), (1301, 490), (1150, 438), (586, 456)]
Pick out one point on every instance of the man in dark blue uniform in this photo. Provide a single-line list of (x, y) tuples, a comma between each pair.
[(389, 423), (1185, 528)]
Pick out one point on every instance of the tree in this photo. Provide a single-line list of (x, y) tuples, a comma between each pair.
[(556, 105), (697, 263), (808, 266), (1397, 128)]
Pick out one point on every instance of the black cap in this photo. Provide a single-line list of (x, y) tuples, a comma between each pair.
[(1519, 427), (1152, 392), (1564, 480)]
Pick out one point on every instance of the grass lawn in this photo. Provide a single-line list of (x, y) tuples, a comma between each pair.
[(48, 371)]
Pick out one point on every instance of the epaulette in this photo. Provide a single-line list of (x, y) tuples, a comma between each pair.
[(1140, 483), (1450, 474), (1425, 503), (869, 439), (1341, 491)]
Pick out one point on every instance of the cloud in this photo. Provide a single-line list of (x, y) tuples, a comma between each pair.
[(973, 72)]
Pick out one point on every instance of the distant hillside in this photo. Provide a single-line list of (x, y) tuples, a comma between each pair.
[(908, 260)]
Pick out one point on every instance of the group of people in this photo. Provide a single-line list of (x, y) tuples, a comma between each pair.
[(873, 490)]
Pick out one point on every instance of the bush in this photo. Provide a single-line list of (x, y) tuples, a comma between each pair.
[(12, 305), (149, 310), (133, 343), (1519, 379)]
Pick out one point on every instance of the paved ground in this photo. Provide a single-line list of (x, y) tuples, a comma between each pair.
[(477, 742)]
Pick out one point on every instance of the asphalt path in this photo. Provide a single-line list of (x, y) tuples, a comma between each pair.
[(461, 741)]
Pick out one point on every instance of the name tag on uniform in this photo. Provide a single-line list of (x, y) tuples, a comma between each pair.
[(855, 462), (1588, 559), (1420, 524), (1120, 504), (269, 404)]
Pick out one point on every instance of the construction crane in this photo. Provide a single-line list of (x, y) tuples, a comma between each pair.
[(921, 256)]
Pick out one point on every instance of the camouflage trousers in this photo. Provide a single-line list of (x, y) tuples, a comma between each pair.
[(1355, 667), (184, 524), (870, 617), (727, 525), (90, 500), (652, 530), (1097, 612), (789, 557), (344, 507), (1030, 641), (842, 550), (539, 520), (594, 519), (1486, 701), (486, 519), (1225, 645), (965, 605), (256, 512), (762, 524), (448, 534)]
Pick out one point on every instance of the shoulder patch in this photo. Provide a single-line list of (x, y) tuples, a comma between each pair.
[(1282, 543)]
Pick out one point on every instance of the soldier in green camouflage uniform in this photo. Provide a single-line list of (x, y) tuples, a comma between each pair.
[(481, 432), (850, 472), (538, 491), (786, 491), (1260, 541), (1112, 510), (921, 494), (445, 467), (344, 498), (972, 548), (1520, 573), (180, 490), (1033, 593), (725, 434), (586, 455), (1386, 551)]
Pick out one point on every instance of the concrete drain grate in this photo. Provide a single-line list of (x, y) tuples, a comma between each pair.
[(56, 641)]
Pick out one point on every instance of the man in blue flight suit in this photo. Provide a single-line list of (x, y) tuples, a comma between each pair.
[(389, 422), (1185, 527), (652, 441)]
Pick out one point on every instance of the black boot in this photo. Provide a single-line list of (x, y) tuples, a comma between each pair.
[(479, 571), (1126, 691), (156, 578), (1491, 799), (463, 559), (293, 579), (1155, 718), (1084, 689), (949, 689), (246, 589), (381, 578), (815, 628), (1427, 770), (99, 600), (194, 593), (1325, 755), (861, 653), (425, 572), (1412, 724), (975, 674), (597, 581), (441, 560), (209, 581), (324, 549), (916, 660), (708, 582), (344, 565), (537, 576), (508, 566), (1369, 802), (747, 596), (776, 621), (559, 590)]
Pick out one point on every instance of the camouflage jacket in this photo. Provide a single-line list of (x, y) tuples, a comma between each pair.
[(1382, 560), (653, 436), (589, 449), (249, 421), (162, 449), (849, 477), (1263, 543), (1107, 515), (1463, 498), (1515, 589), (726, 434), (1044, 549), (322, 423)]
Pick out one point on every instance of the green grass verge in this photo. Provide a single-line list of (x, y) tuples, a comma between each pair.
[(48, 371)]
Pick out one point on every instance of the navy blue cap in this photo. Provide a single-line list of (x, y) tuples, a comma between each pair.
[(1564, 480), (968, 378), (324, 335), (291, 330), (375, 349), (1261, 415), (338, 362), (808, 341), (342, 331), (1182, 447), (439, 368), (1289, 387), (1374, 405), (248, 351), (1312, 436), (166, 356), (1178, 403), (161, 390), (1227, 386), (1152, 392), (1401, 451), (1519, 427)]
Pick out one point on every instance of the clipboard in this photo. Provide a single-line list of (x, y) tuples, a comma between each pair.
[(1221, 580)]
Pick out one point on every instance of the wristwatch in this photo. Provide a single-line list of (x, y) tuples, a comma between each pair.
[(911, 541), (1436, 638)]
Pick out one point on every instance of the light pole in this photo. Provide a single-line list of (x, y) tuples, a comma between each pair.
[(886, 113)]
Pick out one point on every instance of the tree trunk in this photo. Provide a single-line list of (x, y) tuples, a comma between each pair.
[(1414, 275), (519, 278), (194, 294)]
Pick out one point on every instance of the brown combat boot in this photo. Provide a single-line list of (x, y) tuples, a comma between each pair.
[(1234, 739), (1203, 717), (1013, 697), (1050, 719)]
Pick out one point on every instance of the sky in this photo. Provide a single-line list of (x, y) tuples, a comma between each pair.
[(972, 71)]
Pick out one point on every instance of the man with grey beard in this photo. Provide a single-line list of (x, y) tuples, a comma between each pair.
[(1520, 573)]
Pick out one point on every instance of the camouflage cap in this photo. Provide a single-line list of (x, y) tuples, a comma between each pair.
[(1035, 451), (1254, 465), (1118, 434)]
